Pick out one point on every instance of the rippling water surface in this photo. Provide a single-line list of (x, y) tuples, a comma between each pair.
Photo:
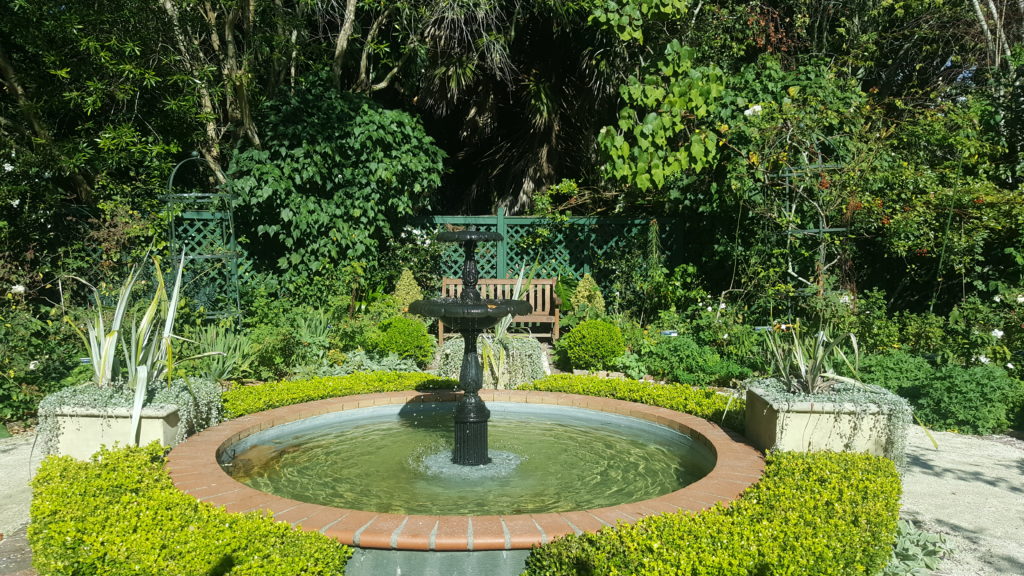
[(546, 459)]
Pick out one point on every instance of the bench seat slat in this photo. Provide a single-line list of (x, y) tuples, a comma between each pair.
[(540, 294)]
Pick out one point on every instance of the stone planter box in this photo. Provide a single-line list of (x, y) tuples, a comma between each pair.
[(81, 431), (809, 426)]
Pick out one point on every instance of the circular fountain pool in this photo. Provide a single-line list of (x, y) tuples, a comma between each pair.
[(397, 459), (195, 467)]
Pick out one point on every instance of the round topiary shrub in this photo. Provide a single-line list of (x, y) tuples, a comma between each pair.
[(405, 337), (592, 345)]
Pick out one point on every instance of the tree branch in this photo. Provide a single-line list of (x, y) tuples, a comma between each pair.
[(341, 46)]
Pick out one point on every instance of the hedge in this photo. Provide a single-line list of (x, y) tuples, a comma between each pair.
[(817, 514), (120, 514), (243, 400), (703, 402)]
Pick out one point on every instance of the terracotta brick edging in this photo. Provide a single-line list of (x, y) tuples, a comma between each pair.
[(194, 469)]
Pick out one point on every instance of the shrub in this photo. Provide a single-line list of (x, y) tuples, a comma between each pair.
[(242, 400), (680, 359), (898, 371), (705, 403), (818, 514), (407, 290), (297, 336), (978, 400), (587, 299), (592, 345), (406, 337), (121, 514)]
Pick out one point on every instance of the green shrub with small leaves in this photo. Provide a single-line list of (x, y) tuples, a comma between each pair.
[(242, 400), (702, 402), (587, 300), (680, 359), (407, 290), (977, 400), (812, 514), (406, 337), (592, 345), (898, 371), (120, 513)]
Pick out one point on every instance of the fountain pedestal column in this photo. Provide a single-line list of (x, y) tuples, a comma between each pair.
[(470, 315), (471, 414)]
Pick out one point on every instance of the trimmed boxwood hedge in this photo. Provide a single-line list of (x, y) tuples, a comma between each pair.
[(120, 514), (817, 514), (820, 514), (243, 400), (703, 402)]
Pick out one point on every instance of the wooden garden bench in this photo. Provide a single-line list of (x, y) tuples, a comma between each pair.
[(540, 294)]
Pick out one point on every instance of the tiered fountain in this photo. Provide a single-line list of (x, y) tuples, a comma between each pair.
[(374, 471), (470, 315)]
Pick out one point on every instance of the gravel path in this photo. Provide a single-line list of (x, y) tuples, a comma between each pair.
[(970, 489)]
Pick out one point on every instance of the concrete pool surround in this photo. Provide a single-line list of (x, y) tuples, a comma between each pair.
[(194, 469)]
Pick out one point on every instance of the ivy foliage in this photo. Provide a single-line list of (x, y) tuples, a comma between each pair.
[(120, 513), (334, 181)]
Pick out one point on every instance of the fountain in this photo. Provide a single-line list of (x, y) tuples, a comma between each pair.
[(361, 468), (470, 315)]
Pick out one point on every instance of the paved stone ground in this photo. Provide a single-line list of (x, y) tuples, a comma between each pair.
[(970, 489)]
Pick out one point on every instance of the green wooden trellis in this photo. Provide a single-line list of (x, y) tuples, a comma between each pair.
[(202, 229), (574, 247)]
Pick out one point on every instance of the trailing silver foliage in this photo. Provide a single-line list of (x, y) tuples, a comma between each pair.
[(865, 398), (198, 401), (523, 360)]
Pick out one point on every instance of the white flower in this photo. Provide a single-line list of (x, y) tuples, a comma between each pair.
[(33, 365), (17, 289), (997, 333), (8, 167), (1009, 366), (725, 336), (1020, 298), (710, 309), (755, 109), (721, 306), (997, 298), (983, 359)]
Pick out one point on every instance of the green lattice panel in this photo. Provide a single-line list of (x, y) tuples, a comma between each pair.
[(573, 249), (486, 257)]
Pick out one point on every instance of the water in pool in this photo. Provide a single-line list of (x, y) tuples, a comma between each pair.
[(397, 459)]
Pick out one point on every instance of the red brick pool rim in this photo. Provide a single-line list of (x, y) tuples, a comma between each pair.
[(194, 469)]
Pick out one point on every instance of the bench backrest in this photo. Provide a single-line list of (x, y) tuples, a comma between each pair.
[(539, 292)]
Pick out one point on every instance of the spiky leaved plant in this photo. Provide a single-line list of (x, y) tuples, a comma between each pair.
[(804, 362)]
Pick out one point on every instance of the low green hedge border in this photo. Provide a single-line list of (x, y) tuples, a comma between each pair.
[(119, 514), (703, 402), (818, 514), (242, 400), (812, 514)]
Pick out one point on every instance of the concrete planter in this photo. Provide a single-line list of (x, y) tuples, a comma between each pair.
[(808, 426), (80, 431)]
